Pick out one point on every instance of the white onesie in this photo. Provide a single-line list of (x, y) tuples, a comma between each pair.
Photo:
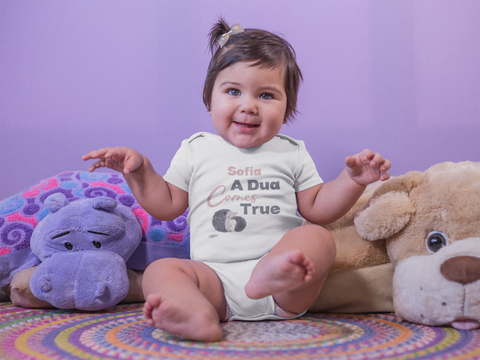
[(242, 201)]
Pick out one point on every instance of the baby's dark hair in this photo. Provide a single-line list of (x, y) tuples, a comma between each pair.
[(259, 46)]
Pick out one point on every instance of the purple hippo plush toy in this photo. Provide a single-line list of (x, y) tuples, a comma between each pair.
[(83, 248)]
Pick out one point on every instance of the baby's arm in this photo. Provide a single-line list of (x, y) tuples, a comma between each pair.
[(323, 204), (160, 199)]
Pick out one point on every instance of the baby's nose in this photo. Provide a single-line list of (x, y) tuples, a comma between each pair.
[(248, 105)]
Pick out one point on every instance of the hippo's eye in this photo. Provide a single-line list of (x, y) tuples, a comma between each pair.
[(68, 246), (97, 244), (61, 234), (97, 233), (436, 240)]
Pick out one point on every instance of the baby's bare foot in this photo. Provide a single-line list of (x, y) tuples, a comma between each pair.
[(278, 273), (190, 323)]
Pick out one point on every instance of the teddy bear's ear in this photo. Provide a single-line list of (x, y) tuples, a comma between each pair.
[(55, 202), (104, 203), (389, 209)]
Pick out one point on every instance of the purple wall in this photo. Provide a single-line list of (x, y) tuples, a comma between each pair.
[(399, 77)]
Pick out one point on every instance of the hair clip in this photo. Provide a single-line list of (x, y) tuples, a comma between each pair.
[(235, 29)]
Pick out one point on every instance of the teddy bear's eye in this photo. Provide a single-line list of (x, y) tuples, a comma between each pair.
[(97, 244), (68, 246), (436, 240)]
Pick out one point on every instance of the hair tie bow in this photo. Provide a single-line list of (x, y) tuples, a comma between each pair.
[(235, 29)]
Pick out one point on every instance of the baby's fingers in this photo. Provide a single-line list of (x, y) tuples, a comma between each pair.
[(385, 166), (366, 156), (350, 161), (96, 154), (374, 160), (96, 165)]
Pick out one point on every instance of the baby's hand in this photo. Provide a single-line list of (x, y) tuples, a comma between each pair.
[(367, 167), (122, 159)]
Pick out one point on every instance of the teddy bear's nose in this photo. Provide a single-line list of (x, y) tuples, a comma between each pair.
[(461, 269)]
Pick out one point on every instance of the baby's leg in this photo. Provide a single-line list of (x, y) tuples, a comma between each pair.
[(295, 270), (184, 298)]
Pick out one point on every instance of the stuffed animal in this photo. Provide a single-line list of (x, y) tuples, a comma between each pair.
[(428, 224), (21, 213), (83, 248)]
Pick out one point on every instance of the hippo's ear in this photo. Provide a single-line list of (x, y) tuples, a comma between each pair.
[(55, 202), (104, 203)]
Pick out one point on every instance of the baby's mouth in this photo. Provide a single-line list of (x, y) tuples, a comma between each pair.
[(246, 126)]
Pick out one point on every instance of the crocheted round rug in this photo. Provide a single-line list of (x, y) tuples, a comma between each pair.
[(122, 333)]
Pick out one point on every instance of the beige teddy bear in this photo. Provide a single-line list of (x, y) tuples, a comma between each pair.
[(422, 259)]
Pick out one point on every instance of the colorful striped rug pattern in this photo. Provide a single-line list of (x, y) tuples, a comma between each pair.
[(122, 333)]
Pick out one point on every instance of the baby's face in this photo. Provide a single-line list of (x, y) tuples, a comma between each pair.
[(248, 104)]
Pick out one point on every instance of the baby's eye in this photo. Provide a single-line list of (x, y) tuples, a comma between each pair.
[(233, 92), (266, 96)]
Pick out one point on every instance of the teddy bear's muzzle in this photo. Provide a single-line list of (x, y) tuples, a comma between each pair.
[(442, 288)]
